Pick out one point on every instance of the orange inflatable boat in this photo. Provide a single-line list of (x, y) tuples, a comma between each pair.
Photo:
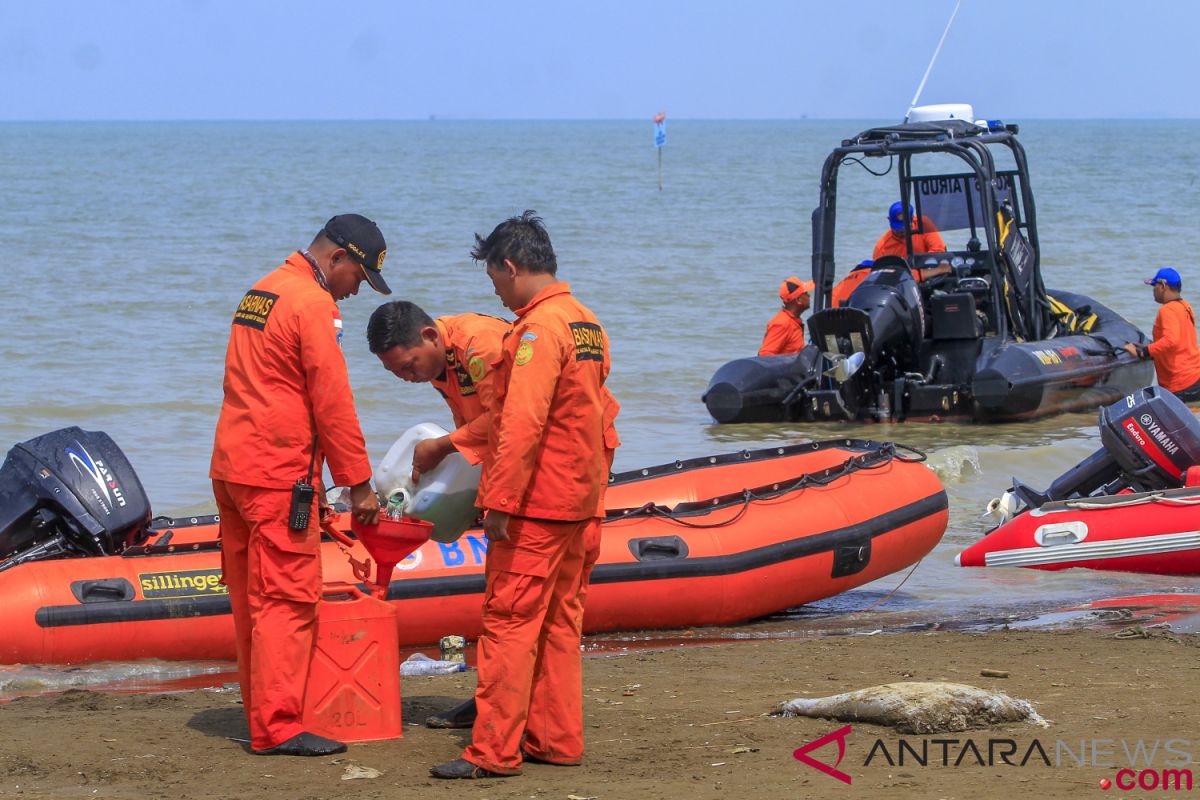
[(708, 541)]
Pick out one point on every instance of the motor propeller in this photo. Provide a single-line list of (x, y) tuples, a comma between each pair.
[(842, 368)]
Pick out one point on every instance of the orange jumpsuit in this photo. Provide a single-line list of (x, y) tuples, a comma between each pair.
[(784, 336), (284, 371), (1174, 349), (846, 286), (892, 243), (473, 345), (550, 448)]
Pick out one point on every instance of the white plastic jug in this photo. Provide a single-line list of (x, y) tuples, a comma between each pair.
[(444, 496)]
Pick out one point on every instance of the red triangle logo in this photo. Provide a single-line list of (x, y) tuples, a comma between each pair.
[(801, 753)]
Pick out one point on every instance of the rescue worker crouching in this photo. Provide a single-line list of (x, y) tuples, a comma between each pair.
[(288, 409), (1173, 348), (550, 448), (457, 354)]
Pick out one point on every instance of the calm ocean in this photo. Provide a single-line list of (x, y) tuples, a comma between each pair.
[(128, 245)]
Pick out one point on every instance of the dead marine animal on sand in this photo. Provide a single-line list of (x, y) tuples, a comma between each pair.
[(917, 707)]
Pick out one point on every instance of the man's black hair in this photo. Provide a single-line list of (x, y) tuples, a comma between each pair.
[(396, 324), (522, 240)]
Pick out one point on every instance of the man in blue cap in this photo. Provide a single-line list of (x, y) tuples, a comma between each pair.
[(925, 239), (1174, 348)]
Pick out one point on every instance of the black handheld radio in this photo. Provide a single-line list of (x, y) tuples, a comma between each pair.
[(302, 496)]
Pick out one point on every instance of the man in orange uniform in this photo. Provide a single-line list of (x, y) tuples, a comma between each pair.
[(925, 239), (1174, 349), (456, 354), (785, 331), (287, 409), (551, 445)]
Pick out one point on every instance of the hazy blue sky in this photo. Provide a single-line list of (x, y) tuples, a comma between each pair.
[(396, 59)]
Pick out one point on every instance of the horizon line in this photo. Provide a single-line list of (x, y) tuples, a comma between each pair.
[(649, 118)]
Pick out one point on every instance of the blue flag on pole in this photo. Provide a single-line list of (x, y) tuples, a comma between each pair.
[(660, 129)]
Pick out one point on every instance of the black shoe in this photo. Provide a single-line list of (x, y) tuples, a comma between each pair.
[(461, 768), (461, 716), (305, 744)]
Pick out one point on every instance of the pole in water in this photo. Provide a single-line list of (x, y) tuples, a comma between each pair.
[(936, 51), (660, 139)]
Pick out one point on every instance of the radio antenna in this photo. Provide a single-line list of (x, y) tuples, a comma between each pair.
[(929, 69)]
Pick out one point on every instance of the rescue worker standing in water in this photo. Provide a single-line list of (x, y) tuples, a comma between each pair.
[(925, 239), (287, 409), (1174, 348), (785, 331), (455, 354), (551, 443)]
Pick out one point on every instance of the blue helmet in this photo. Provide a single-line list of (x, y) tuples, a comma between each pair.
[(896, 215)]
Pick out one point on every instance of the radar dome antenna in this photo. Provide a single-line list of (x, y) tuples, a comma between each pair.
[(929, 69)]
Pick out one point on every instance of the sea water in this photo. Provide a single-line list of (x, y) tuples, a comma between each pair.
[(128, 245)]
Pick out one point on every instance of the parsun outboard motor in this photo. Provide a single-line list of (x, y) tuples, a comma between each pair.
[(69, 493), (892, 300), (1149, 439)]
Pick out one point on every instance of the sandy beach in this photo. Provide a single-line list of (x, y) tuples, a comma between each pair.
[(686, 721)]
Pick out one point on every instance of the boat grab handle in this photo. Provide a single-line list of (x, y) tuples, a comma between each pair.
[(657, 548), (106, 590), (1061, 533)]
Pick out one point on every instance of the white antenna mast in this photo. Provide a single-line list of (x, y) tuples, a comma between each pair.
[(929, 69)]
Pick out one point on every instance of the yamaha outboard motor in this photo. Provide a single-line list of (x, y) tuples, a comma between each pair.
[(892, 300), (69, 493), (1149, 439)]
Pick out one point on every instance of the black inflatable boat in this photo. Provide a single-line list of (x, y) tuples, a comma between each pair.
[(986, 342)]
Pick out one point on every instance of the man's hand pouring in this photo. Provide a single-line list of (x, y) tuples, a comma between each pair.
[(364, 504)]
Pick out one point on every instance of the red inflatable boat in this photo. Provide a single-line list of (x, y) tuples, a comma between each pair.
[(708, 541), (1131, 506), (1152, 532)]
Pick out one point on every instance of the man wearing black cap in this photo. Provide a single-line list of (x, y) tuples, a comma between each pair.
[(1174, 349), (288, 410)]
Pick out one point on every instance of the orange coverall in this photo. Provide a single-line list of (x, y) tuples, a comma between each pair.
[(846, 286), (473, 346), (892, 242), (1174, 349), (784, 336), (284, 371), (550, 448)]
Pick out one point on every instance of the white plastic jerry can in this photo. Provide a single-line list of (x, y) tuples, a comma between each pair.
[(444, 496)]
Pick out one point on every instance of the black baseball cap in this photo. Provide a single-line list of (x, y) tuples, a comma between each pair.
[(363, 240)]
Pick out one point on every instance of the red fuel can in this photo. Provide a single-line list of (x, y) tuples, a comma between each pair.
[(353, 691)]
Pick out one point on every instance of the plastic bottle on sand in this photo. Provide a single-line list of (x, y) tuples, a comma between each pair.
[(444, 496), (419, 664)]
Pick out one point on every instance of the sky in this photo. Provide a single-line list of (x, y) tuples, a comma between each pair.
[(592, 59)]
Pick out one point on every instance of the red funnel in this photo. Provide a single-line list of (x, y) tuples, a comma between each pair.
[(389, 542)]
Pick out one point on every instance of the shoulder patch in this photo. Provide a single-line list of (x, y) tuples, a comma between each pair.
[(254, 309), (524, 354), (589, 341), (476, 369), (529, 336)]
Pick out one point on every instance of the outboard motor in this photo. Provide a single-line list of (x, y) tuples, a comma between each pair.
[(892, 300), (884, 321), (69, 493), (1149, 439)]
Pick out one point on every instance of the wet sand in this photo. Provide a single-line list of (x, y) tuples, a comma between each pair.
[(686, 721)]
